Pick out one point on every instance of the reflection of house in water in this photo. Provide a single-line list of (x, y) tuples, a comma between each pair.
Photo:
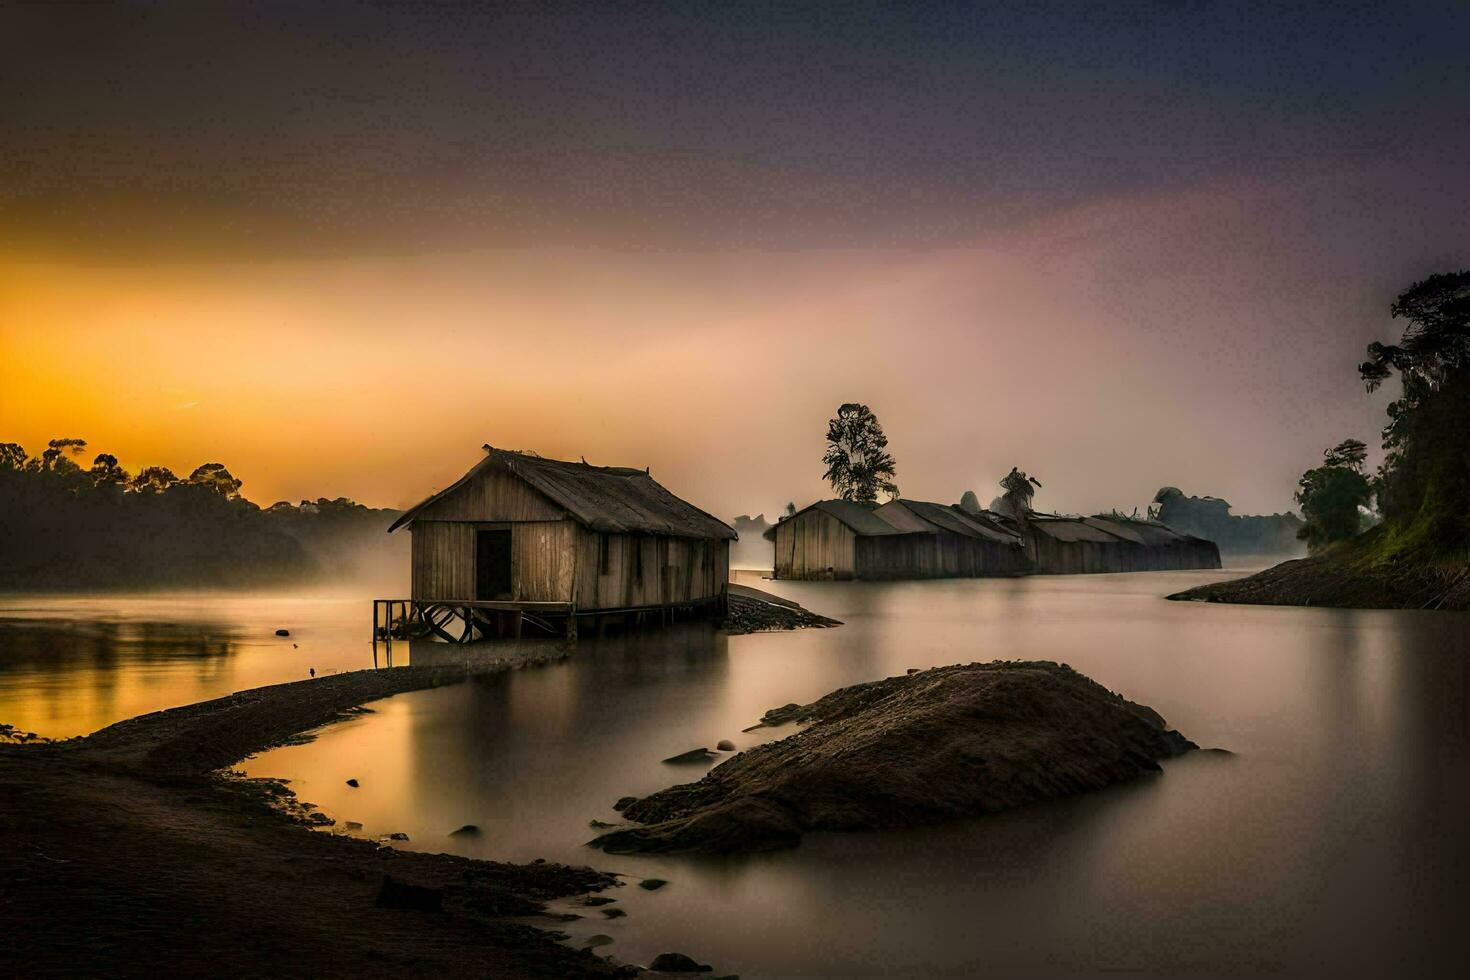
[(910, 539), (543, 540)]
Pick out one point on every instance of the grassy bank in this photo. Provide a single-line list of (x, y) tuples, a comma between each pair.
[(1388, 567)]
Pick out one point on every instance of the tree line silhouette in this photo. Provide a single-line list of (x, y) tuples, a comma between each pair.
[(1422, 489), (67, 525)]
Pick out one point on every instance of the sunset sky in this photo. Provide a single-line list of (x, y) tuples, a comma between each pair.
[(338, 247)]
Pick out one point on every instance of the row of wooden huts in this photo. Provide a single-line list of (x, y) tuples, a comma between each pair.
[(909, 539), (546, 541)]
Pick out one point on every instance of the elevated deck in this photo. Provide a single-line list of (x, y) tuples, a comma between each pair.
[(462, 621)]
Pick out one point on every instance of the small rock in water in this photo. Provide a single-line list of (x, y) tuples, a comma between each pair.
[(624, 802), (677, 963), (283, 632), (593, 901), (598, 940), (398, 835), (700, 754), (353, 783), (600, 824), (652, 884), (781, 715), (395, 894), (614, 913), (913, 670), (352, 825), (468, 830), (725, 745)]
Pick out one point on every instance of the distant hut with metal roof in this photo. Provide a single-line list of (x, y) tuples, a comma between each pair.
[(1162, 547), (523, 534), (820, 541), (1077, 545), (948, 543), (902, 539)]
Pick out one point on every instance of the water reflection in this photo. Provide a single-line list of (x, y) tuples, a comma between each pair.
[(1329, 841), (72, 664)]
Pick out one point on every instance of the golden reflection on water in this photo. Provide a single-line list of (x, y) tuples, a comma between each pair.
[(1331, 840)]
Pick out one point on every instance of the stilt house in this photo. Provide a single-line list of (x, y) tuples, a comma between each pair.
[(518, 528)]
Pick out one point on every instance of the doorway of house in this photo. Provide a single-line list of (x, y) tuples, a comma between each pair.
[(492, 565)]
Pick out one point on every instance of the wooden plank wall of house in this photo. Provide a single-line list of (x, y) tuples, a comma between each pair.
[(541, 563), (936, 555), (815, 545), (616, 571)]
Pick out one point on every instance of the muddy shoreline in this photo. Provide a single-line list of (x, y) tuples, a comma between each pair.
[(132, 851)]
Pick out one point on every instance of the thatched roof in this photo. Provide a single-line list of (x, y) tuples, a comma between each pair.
[(612, 499)]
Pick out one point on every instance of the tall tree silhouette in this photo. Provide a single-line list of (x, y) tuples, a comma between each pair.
[(1018, 490), (1333, 494), (1424, 483), (858, 464)]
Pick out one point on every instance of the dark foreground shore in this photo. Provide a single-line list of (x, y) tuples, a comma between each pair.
[(129, 853), (1340, 580)]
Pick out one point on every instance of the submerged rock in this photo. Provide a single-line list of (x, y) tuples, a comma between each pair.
[(468, 830), (677, 963), (652, 884), (725, 745), (940, 744), (693, 755)]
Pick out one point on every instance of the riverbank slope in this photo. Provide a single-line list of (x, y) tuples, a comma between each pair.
[(130, 853), (1347, 576)]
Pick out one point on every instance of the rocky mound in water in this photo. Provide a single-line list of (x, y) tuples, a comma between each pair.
[(934, 745), (753, 611)]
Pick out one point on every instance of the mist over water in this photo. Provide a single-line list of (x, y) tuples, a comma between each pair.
[(1331, 841)]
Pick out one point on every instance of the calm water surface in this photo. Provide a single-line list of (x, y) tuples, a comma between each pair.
[(1333, 842)]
